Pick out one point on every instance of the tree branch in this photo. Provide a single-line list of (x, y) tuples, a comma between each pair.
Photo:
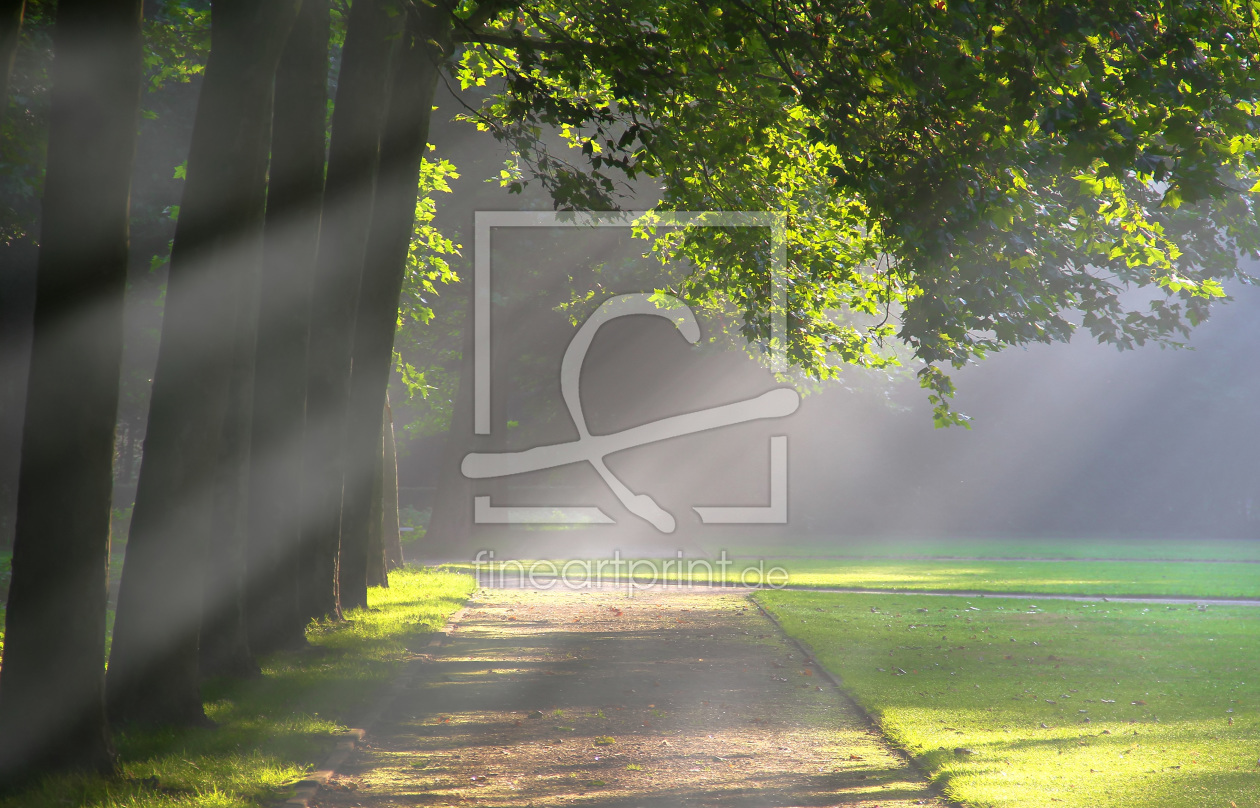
[(485, 11), (506, 40)]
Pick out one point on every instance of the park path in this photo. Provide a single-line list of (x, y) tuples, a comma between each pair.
[(665, 699)]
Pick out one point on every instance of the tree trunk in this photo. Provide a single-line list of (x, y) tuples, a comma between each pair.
[(425, 44), (52, 714), (17, 302), (391, 535), (450, 524), (11, 13), (224, 643), (376, 574), (292, 232), (17, 306), (353, 159), (153, 671)]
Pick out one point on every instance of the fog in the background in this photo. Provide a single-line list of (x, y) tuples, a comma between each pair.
[(1075, 440)]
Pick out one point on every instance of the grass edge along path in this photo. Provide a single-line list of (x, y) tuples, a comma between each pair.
[(1051, 705), (272, 730)]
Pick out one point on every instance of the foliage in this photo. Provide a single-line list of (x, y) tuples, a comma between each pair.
[(416, 519), (177, 42), (427, 264), (1099, 704), (24, 134), (428, 268), (961, 176)]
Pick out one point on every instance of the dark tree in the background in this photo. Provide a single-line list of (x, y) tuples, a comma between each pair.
[(17, 262), (52, 712), (290, 241), (426, 43), (353, 156), (377, 573), (11, 12), (391, 536), (154, 673), (451, 521)]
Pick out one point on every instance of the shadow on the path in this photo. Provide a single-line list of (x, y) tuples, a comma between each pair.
[(589, 698)]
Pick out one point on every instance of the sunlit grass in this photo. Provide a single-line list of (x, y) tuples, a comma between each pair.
[(1141, 705), (1100, 578), (1183, 579), (1063, 548), (272, 730)]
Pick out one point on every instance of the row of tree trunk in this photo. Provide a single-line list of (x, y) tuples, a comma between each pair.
[(268, 482)]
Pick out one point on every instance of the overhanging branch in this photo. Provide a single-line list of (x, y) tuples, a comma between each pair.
[(506, 40)]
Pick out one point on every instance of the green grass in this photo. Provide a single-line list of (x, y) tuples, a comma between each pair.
[(1099, 578), (1184, 578), (1157, 683), (1135, 549), (272, 730)]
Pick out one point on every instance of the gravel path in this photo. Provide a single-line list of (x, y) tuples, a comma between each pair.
[(668, 698)]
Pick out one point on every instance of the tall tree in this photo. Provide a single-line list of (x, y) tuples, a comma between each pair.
[(11, 13), (451, 520), (294, 199), (391, 535), (224, 638), (52, 712), (353, 159), (377, 571), (425, 45), (154, 671), (17, 282)]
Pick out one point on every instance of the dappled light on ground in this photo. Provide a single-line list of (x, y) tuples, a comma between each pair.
[(593, 698)]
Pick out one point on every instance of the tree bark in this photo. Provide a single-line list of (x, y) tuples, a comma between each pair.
[(425, 44), (391, 535), (376, 572), (450, 525), (274, 554), (52, 714), (224, 642), (18, 261), (11, 13), (353, 159), (17, 302), (154, 671)]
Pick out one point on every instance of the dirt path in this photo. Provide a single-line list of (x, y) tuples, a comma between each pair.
[(588, 697)]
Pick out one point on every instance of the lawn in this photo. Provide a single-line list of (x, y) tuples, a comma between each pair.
[(1179, 579), (1007, 702), (1234, 579), (272, 730), (1064, 548)]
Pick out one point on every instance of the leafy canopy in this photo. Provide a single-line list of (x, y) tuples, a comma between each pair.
[(957, 177)]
